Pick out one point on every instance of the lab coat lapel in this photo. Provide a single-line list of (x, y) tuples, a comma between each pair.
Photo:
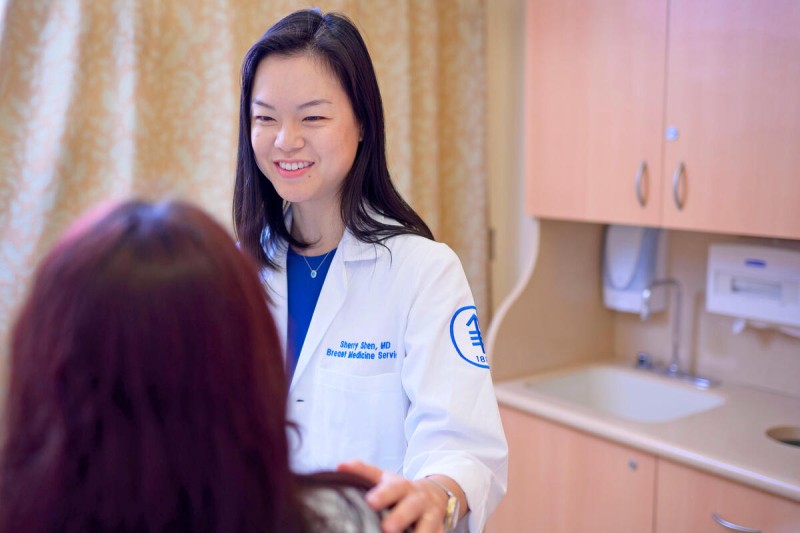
[(333, 296), (277, 289), (331, 299)]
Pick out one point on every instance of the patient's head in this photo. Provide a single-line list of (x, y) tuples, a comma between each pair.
[(147, 390)]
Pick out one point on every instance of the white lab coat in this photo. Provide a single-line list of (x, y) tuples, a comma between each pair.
[(383, 374)]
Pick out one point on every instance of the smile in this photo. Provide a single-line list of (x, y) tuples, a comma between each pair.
[(285, 165)]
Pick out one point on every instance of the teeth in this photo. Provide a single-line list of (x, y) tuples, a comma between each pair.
[(293, 166)]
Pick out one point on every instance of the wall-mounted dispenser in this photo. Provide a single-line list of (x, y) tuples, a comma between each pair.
[(757, 283), (633, 257)]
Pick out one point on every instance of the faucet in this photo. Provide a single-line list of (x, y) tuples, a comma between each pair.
[(673, 368), (647, 294)]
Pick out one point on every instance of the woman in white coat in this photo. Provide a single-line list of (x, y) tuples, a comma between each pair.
[(377, 319)]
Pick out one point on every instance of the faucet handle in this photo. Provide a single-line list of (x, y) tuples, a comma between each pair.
[(644, 360)]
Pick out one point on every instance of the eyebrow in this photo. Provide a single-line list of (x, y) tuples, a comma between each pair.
[(311, 103)]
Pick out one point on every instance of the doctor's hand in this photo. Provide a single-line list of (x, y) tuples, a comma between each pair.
[(412, 505)]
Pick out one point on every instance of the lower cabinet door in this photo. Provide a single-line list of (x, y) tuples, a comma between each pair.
[(563, 480), (688, 500)]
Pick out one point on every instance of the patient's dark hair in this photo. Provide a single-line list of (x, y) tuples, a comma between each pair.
[(147, 390)]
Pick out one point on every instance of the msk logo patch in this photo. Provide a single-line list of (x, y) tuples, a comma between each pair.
[(466, 336)]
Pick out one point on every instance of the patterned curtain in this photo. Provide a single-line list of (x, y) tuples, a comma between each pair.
[(118, 98)]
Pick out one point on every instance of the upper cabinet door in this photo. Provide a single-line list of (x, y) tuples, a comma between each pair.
[(733, 97), (594, 109)]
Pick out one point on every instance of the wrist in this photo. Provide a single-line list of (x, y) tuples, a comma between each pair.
[(452, 505)]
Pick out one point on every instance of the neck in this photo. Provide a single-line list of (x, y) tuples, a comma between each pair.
[(321, 229)]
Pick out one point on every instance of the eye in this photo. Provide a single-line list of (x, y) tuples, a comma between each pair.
[(314, 118), (263, 118)]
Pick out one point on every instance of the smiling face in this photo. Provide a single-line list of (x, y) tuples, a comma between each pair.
[(303, 130)]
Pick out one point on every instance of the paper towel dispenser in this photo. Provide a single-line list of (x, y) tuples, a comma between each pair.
[(754, 282)]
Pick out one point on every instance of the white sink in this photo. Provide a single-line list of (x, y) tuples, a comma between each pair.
[(631, 394)]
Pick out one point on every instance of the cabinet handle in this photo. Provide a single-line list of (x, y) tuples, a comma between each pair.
[(676, 181), (639, 175), (733, 527)]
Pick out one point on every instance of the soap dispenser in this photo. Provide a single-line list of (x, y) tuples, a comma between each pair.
[(633, 257)]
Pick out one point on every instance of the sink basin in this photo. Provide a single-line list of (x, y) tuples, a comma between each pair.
[(627, 393)]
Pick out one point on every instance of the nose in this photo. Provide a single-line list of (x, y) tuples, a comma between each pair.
[(289, 138)]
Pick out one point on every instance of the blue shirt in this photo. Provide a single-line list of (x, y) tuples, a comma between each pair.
[(303, 295)]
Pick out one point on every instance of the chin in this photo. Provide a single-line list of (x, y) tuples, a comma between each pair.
[(293, 197)]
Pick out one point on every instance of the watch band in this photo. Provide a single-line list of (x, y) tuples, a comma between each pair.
[(452, 509)]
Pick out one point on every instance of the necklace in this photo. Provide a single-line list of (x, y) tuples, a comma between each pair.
[(314, 270)]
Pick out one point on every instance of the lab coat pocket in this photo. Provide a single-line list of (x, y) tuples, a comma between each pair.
[(362, 416)]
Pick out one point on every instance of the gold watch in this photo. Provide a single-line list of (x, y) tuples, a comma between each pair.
[(452, 509)]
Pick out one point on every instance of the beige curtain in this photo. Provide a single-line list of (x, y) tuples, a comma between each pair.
[(108, 99)]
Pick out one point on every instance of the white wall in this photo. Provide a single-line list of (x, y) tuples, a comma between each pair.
[(514, 232)]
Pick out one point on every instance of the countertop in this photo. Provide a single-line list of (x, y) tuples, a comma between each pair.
[(729, 440)]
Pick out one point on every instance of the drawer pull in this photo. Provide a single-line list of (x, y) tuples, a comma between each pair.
[(676, 184), (733, 527), (640, 196)]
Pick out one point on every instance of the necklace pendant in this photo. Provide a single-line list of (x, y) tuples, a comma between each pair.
[(313, 274)]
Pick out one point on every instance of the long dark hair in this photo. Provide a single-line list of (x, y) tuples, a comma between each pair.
[(335, 40), (147, 391)]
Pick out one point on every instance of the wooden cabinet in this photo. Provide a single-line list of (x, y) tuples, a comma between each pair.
[(733, 93), (562, 480), (606, 81), (594, 82), (687, 500)]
